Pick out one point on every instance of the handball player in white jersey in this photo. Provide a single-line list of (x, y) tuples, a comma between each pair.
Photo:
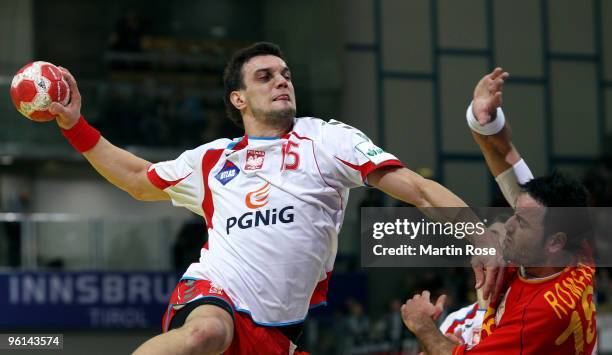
[(273, 201)]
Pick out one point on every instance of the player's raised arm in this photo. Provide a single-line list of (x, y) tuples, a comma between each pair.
[(494, 137), (120, 167)]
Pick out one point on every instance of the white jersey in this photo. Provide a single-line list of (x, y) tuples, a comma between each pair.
[(274, 208)]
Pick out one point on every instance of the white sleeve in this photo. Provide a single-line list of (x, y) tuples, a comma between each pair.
[(181, 179), (510, 180), (355, 156)]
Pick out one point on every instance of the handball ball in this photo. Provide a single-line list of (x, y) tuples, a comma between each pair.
[(35, 87)]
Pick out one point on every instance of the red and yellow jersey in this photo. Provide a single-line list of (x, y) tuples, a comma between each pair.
[(552, 315)]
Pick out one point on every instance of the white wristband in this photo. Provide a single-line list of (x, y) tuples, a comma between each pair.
[(522, 172), (488, 129)]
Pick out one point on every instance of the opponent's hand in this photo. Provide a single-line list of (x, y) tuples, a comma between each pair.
[(489, 274), (487, 98), (488, 95), (419, 308), (68, 116)]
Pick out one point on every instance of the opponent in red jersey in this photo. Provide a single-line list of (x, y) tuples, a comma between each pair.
[(548, 315), (547, 308)]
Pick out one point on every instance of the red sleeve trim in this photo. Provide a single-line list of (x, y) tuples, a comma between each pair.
[(367, 168), (156, 180), (160, 183), (370, 167)]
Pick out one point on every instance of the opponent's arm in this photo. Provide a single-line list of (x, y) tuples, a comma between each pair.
[(502, 157), (498, 150), (120, 167)]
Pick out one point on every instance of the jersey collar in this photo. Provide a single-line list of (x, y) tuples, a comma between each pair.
[(244, 141)]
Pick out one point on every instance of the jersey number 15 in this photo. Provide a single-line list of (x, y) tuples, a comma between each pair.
[(291, 159)]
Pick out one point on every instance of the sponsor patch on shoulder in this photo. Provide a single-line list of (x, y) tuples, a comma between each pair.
[(228, 173), (375, 154)]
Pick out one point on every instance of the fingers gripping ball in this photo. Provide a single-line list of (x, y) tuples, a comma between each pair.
[(35, 87)]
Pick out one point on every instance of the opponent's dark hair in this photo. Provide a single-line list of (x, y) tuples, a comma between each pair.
[(557, 191), (232, 76)]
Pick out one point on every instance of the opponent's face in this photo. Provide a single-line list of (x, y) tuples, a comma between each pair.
[(498, 230), (525, 232), (268, 93)]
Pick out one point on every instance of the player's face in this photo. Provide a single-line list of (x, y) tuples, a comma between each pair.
[(525, 232), (268, 91)]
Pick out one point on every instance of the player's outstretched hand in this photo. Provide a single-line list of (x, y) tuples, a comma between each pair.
[(488, 95), (419, 308), (68, 116)]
